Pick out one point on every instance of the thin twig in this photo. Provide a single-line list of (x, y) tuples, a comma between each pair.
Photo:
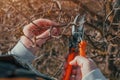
[(59, 70)]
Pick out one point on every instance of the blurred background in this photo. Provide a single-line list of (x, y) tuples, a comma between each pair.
[(102, 31)]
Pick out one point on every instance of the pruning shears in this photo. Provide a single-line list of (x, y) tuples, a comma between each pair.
[(77, 44), (78, 35)]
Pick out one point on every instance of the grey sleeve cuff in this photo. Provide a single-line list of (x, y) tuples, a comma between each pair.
[(94, 75), (21, 51)]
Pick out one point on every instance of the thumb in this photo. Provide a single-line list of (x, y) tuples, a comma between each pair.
[(77, 61), (73, 62)]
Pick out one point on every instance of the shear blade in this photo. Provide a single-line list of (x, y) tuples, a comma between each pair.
[(75, 22)]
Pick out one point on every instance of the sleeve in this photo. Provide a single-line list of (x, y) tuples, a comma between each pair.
[(21, 51), (94, 75)]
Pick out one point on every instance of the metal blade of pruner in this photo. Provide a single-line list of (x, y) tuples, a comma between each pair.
[(78, 27)]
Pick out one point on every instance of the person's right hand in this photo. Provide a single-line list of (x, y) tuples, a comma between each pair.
[(85, 66)]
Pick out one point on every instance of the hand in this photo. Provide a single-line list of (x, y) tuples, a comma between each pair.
[(39, 32), (84, 66)]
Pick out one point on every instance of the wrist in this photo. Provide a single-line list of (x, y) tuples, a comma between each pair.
[(28, 43)]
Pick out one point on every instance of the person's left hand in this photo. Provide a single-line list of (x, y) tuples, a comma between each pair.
[(39, 32)]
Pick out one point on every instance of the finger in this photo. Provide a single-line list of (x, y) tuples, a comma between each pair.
[(78, 60), (74, 61), (46, 34), (39, 26), (54, 32), (74, 70), (42, 23), (79, 74), (73, 77), (41, 39), (74, 73)]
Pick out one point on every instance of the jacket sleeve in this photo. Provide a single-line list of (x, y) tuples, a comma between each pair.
[(21, 51), (94, 75)]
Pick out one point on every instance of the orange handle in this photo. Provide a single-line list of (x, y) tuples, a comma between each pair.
[(68, 70), (82, 48)]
